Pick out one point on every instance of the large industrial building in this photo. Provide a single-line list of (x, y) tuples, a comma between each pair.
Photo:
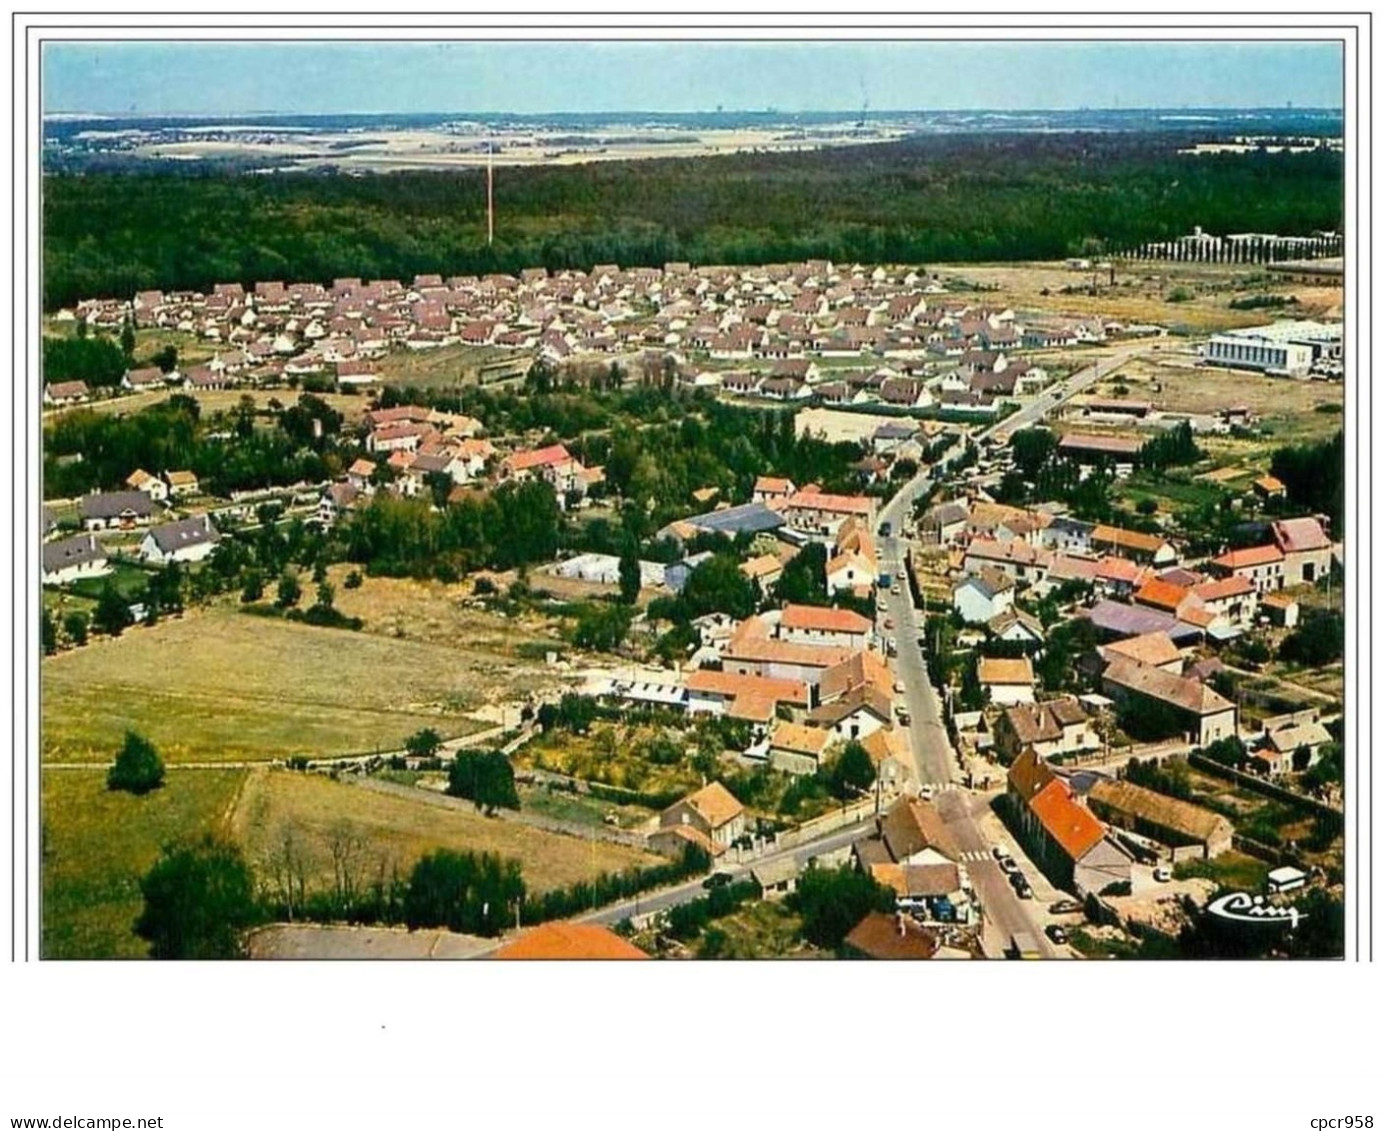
[(1286, 349)]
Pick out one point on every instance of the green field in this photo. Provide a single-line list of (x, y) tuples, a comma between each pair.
[(97, 844), (217, 685)]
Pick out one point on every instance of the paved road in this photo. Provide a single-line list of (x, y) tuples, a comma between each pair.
[(934, 757), (685, 893), (1001, 907), (1078, 382)]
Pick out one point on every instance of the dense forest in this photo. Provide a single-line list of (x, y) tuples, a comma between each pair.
[(950, 198)]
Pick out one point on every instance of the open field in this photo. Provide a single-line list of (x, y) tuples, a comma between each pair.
[(218, 685), (396, 831), (97, 845), (432, 611), (1141, 292), (446, 366), (218, 400)]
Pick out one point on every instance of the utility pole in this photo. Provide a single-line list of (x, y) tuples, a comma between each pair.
[(490, 190)]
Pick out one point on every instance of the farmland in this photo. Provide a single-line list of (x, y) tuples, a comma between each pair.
[(97, 844), (396, 830), (217, 685)]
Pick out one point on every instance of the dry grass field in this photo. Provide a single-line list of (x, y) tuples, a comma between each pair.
[(452, 365), (396, 831), (1141, 292), (433, 612), (97, 844), (218, 685)]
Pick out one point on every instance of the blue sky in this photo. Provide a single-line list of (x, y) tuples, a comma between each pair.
[(532, 77)]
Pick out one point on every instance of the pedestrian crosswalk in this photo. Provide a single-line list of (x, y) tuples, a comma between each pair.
[(937, 787), (974, 856)]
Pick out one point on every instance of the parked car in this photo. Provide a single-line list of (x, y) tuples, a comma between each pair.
[(1066, 907), (888, 622), (716, 880), (895, 589), (1162, 875), (899, 688), (1023, 891), (1055, 932), (1009, 865), (1000, 852)]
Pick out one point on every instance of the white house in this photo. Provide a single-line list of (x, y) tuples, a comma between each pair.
[(982, 597), (188, 540), (71, 558)]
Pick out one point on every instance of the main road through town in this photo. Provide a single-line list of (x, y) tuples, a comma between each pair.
[(934, 758)]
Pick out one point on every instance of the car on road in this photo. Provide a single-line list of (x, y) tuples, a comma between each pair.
[(901, 713), (1009, 865), (888, 622), (1023, 891), (1055, 932), (894, 589), (717, 880), (1065, 907), (893, 647), (886, 529), (925, 792), (899, 688)]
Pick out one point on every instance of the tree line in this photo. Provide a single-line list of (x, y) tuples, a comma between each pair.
[(923, 199)]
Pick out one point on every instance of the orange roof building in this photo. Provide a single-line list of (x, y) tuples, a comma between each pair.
[(565, 942)]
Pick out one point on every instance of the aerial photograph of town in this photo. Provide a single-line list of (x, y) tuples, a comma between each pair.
[(703, 501)]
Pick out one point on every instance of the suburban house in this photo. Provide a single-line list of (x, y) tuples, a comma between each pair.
[(1204, 715), (712, 811), (890, 938), (1261, 566), (151, 485), (110, 510), (555, 465), (913, 832), (812, 624), (1055, 727), (768, 489), (188, 540), (59, 393), (336, 500), (855, 715), (1016, 558), (181, 483), (1006, 682), (1288, 734), (1146, 549), (764, 570), (139, 380), (982, 597), (1306, 550), (71, 558), (1014, 626), (797, 749), (1180, 825)]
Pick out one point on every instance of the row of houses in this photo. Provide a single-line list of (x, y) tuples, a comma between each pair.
[(186, 540)]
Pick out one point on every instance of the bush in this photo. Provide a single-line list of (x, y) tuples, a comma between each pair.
[(198, 899), (353, 580), (138, 768), (832, 901)]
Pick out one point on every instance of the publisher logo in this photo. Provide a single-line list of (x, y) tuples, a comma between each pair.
[(1241, 907)]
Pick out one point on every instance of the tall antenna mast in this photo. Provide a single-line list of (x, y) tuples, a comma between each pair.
[(490, 190)]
